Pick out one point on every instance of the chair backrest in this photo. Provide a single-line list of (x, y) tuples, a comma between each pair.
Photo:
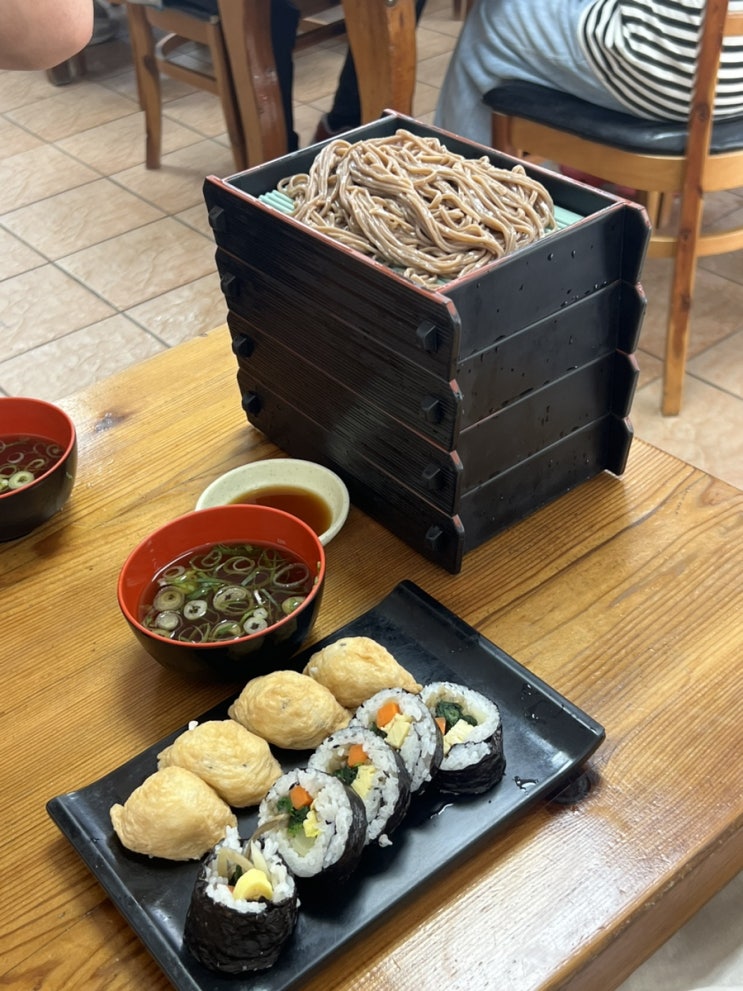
[(660, 159), (381, 36)]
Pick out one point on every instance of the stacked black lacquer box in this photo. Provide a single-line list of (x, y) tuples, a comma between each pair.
[(449, 414)]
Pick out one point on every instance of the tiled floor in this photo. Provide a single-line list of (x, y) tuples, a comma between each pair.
[(103, 263)]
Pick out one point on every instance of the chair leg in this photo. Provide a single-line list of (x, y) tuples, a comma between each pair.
[(679, 318), (501, 136), (228, 99), (148, 81), (677, 345)]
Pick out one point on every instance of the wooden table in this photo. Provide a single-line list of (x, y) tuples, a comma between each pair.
[(625, 595)]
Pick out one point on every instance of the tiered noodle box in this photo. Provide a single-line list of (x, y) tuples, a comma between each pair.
[(450, 414)]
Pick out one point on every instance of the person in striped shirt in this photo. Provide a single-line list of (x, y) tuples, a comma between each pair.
[(635, 56)]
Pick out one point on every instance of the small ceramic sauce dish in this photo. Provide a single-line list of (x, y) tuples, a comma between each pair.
[(303, 488)]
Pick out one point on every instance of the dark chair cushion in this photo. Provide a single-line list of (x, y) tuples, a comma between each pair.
[(204, 10), (619, 130)]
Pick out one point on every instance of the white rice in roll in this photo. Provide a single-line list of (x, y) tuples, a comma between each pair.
[(413, 732), (330, 839), (380, 779), (472, 737)]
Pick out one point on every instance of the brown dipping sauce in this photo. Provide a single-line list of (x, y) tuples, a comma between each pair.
[(308, 506)]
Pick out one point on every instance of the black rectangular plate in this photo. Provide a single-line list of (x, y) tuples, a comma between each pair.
[(546, 739)]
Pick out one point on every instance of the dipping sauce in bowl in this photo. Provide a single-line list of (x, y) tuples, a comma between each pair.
[(309, 491), (307, 505)]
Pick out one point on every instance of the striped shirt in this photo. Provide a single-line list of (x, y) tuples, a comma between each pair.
[(643, 51)]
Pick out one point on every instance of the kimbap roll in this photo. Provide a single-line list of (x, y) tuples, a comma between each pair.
[(472, 734), (403, 720), (243, 907), (376, 772), (319, 825)]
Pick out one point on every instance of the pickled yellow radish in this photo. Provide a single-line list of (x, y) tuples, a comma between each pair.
[(252, 885)]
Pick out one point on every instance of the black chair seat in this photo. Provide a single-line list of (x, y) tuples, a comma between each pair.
[(619, 130)]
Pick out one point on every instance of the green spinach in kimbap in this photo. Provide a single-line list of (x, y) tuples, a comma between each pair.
[(319, 824), (472, 737), (376, 772)]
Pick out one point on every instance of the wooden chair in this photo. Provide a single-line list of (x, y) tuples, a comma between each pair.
[(659, 159), (170, 56), (381, 35)]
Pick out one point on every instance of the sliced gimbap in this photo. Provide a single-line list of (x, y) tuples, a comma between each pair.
[(243, 907), (403, 720), (472, 735), (318, 822), (376, 772)]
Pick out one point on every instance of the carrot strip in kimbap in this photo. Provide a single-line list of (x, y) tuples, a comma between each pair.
[(472, 736), (376, 772), (403, 720), (319, 824), (243, 907)]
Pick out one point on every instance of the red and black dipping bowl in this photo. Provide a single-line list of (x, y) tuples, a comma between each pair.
[(181, 548), (38, 463)]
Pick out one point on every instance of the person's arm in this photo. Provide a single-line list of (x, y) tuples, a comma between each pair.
[(39, 34)]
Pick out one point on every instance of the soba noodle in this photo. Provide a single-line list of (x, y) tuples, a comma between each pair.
[(411, 203)]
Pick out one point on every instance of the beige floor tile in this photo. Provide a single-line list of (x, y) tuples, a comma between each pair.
[(177, 184), (80, 217), (198, 218), (16, 257), (432, 70), (198, 110), (14, 139), (106, 62), (71, 109), (86, 356), (722, 365), (431, 42), (44, 171), (650, 367), (125, 83), (708, 432), (424, 100), (316, 71), (715, 315), (21, 89), (438, 16), (42, 305), (120, 144), (729, 266), (306, 117), (143, 263), (185, 312)]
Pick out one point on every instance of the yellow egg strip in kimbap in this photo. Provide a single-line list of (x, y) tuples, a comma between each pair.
[(403, 720), (319, 825), (374, 770), (243, 907), (472, 736)]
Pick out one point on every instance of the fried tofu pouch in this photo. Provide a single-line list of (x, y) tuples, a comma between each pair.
[(289, 709), (355, 668), (237, 764), (173, 814)]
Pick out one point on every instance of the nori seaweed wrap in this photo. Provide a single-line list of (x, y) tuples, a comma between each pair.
[(243, 907), (320, 826), (470, 722), (367, 764)]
